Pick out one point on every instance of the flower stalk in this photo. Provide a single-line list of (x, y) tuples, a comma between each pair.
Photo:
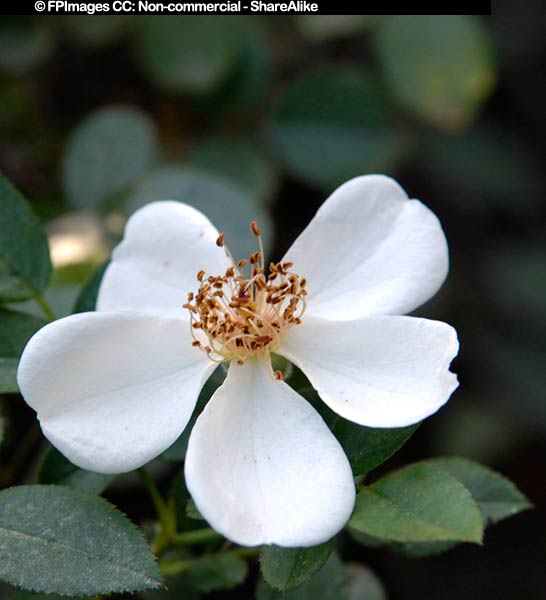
[(197, 536), (166, 514), (42, 303)]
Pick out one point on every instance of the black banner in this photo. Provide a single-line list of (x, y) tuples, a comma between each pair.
[(245, 7)]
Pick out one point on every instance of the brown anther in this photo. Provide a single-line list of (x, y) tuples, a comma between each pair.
[(220, 240), (242, 315), (278, 375), (254, 228)]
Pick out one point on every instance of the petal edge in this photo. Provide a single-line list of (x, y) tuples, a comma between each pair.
[(263, 468)]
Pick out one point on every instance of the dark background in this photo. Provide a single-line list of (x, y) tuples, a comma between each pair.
[(265, 116)]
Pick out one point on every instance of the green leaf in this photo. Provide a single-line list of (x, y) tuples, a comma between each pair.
[(106, 151), (24, 251), (237, 160), (192, 511), (87, 298), (366, 447), (246, 85), (496, 497), (217, 572), (439, 66), (8, 375), (413, 550), (419, 503), (286, 568), (227, 206), (56, 469), (365, 539), (327, 584), (178, 587), (16, 328), (423, 549), (59, 540), (332, 124), (186, 54)]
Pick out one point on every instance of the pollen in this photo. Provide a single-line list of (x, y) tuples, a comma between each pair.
[(244, 312)]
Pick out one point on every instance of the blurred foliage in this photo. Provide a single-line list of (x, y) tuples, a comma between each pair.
[(333, 123), (440, 68), (106, 151), (259, 118)]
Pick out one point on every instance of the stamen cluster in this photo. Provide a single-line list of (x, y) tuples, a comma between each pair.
[(238, 317)]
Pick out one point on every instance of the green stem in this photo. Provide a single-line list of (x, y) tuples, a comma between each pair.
[(42, 303), (159, 504), (165, 513), (197, 536), (247, 552), (175, 567)]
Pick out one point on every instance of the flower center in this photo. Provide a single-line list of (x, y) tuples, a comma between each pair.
[(237, 317)]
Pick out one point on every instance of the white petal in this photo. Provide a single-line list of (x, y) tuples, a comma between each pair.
[(369, 251), (155, 265), (378, 371), (112, 391), (262, 466)]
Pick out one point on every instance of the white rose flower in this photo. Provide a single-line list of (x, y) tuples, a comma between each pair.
[(116, 387)]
